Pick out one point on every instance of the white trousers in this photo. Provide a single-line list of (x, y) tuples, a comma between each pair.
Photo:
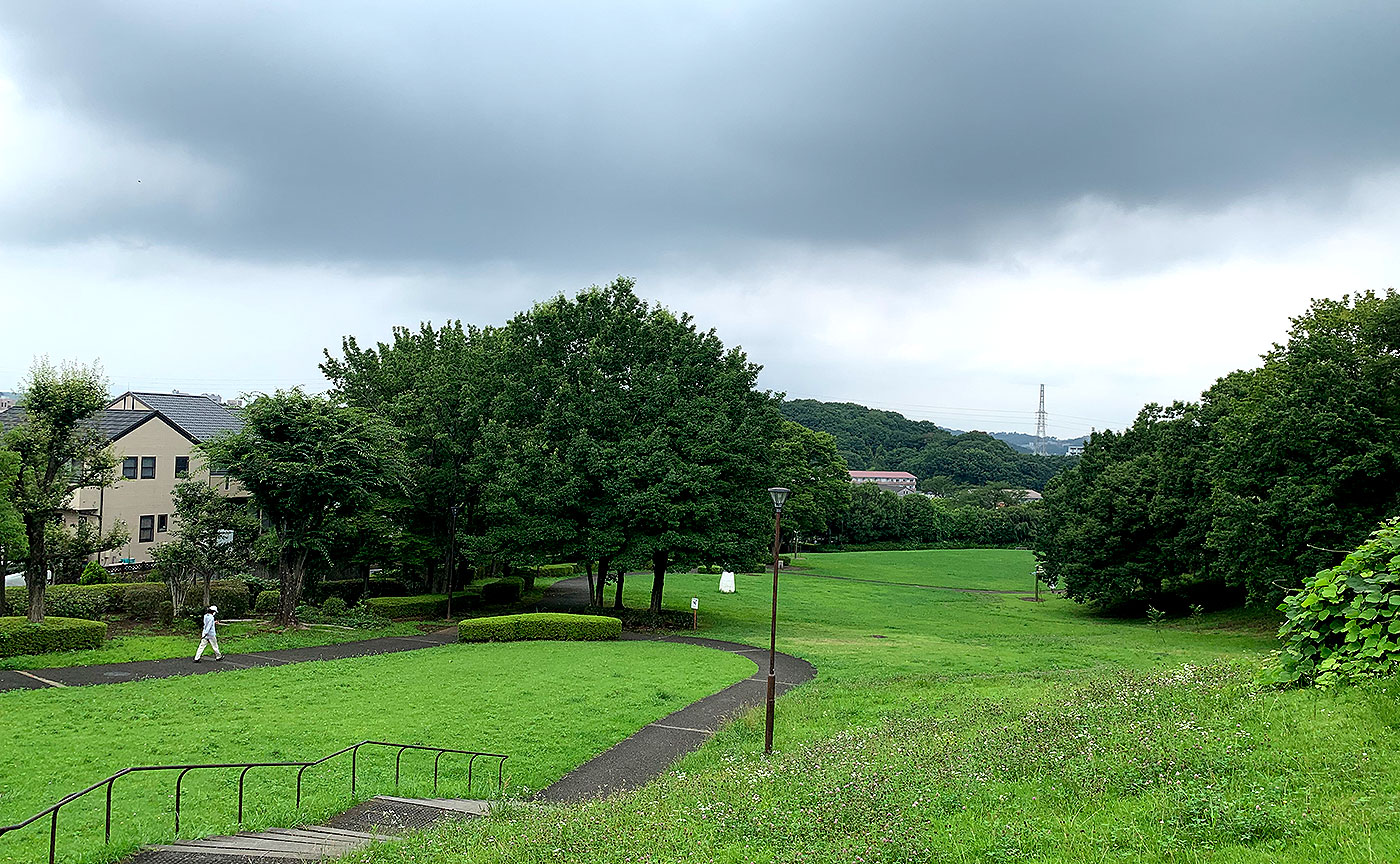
[(212, 641)]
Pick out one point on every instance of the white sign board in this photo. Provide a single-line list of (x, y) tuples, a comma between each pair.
[(694, 602), (225, 537), (726, 582)]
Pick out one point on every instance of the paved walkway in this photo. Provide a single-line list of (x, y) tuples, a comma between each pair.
[(172, 667)]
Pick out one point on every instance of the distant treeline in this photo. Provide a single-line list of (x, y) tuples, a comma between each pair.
[(871, 440), (1238, 497), (878, 516)]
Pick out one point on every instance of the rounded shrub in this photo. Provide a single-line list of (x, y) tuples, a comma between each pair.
[(558, 626), (269, 600), (18, 636), (1345, 622), (334, 605), (499, 591), (94, 574)]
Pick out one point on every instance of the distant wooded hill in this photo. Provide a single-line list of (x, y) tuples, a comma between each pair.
[(1026, 443), (872, 440)]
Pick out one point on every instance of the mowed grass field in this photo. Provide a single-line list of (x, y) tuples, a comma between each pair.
[(550, 706), (973, 569), (946, 726)]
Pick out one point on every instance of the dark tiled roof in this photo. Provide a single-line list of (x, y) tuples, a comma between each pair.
[(198, 416), (109, 422)]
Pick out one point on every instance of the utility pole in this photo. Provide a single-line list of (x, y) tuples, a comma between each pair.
[(1040, 424)]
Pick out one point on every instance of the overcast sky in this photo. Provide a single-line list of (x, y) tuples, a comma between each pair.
[(931, 207)]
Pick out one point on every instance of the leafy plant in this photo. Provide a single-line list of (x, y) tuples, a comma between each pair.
[(333, 606), (94, 574), (1345, 622)]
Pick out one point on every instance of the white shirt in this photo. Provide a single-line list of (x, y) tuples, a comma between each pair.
[(208, 624)]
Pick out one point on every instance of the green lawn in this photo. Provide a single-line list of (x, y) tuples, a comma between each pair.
[(149, 643), (985, 569), (985, 728), (550, 705)]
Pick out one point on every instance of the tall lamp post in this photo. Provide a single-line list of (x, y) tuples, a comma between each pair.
[(779, 496), (451, 559)]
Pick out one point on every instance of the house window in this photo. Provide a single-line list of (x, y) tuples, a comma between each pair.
[(148, 529), (162, 523), (217, 470), (148, 467), (182, 466), (129, 467)]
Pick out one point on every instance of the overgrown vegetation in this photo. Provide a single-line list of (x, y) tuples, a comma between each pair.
[(1345, 622)]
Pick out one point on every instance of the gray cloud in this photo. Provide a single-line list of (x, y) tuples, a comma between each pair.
[(613, 135)]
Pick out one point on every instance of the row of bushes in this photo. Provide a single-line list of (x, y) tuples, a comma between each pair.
[(18, 636), (353, 590), (149, 601), (492, 593), (539, 625)]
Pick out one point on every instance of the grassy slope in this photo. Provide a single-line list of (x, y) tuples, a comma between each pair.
[(990, 729), (560, 704)]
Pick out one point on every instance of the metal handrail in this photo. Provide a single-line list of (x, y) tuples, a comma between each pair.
[(354, 751)]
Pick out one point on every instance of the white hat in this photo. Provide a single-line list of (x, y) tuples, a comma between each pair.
[(213, 608)]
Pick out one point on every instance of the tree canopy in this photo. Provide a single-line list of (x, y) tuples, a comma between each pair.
[(308, 462), (1241, 496), (60, 451)]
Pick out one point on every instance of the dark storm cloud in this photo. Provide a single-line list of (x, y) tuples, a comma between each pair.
[(617, 133)]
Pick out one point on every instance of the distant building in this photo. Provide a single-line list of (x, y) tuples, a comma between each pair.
[(900, 482), (152, 435), (1074, 450), (1031, 495)]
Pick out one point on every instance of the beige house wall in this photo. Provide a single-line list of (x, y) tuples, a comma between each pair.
[(128, 500)]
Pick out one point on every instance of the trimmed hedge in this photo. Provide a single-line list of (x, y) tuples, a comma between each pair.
[(18, 636), (269, 600), (148, 601), (499, 591), (424, 606), (557, 626)]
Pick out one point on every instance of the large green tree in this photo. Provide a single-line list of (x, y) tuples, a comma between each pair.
[(807, 463), (60, 451), (309, 461), (436, 386), (664, 444), (1307, 454)]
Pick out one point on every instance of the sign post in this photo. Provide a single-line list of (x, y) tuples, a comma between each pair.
[(695, 613)]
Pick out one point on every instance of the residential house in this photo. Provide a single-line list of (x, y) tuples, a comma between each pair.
[(153, 436)]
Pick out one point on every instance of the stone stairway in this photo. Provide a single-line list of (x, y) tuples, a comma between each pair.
[(380, 818)]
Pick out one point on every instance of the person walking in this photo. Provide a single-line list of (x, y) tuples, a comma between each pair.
[(207, 637)]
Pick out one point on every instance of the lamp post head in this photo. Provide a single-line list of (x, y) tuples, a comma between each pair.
[(779, 496)]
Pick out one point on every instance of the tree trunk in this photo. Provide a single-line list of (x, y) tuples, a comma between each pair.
[(601, 599), (617, 598), (588, 565), (35, 571), (179, 587), (292, 574), (659, 560), (4, 596), (208, 577)]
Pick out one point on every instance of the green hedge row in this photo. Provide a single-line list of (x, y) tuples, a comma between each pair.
[(539, 625), (147, 601), (18, 636), (352, 590), (425, 606), (500, 591)]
